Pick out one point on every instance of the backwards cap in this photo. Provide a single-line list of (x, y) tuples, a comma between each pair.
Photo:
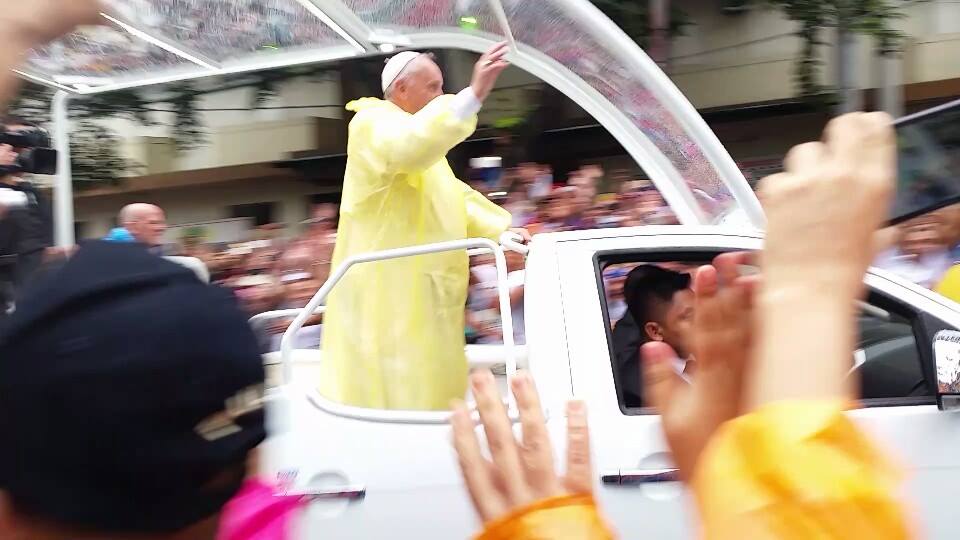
[(395, 67), (130, 395)]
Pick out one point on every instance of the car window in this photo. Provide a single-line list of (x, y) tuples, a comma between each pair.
[(887, 362), (887, 359)]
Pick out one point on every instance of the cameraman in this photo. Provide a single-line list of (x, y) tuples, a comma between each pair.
[(23, 26), (26, 228)]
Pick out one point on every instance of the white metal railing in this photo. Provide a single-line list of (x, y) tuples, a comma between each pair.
[(316, 305)]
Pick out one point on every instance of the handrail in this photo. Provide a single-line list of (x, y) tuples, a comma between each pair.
[(281, 313), (506, 315)]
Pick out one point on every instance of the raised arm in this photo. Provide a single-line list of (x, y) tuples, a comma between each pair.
[(415, 142), (25, 25)]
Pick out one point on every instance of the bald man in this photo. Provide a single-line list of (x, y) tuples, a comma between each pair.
[(145, 222), (393, 333)]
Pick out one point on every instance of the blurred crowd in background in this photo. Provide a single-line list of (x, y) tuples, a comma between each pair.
[(281, 269)]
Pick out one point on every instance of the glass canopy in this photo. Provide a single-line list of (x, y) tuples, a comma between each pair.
[(569, 44)]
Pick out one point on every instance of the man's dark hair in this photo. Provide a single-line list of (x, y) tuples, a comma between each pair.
[(649, 285)]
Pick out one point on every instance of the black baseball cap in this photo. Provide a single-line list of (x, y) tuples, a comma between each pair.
[(130, 395)]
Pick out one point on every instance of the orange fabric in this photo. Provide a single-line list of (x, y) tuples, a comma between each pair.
[(568, 517), (797, 470)]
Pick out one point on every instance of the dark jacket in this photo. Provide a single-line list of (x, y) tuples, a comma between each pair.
[(29, 229), (626, 351)]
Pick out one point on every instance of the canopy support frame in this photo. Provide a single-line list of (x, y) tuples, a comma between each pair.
[(63, 232)]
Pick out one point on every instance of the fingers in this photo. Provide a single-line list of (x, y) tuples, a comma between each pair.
[(728, 265), (536, 452), (804, 157), (864, 145), (660, 380), (503, 447), (478, 473), (708, 313), (705, 282), (497, 52), (523, 233), (579, 477)]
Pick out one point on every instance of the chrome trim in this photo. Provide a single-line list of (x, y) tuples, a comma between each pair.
[(634, 477), (351, 493)]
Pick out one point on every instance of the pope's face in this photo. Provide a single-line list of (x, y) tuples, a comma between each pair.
[(422, 86)]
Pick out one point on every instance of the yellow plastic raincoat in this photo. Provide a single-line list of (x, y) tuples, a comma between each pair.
[(797, 470), (393, 334)]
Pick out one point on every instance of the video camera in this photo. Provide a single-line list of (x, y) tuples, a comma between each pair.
[(35, 155)]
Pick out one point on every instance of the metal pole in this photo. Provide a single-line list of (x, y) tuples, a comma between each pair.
[(63, 184), (891, 84), (847, 83)]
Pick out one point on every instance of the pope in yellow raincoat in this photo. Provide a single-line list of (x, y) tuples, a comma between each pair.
[(394, 330)]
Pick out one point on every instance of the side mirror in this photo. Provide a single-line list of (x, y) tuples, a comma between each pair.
[(946, 355)]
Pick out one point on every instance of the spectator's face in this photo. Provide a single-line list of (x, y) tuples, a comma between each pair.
[(923, 236), (259, 263), (951, 227), (675, 323), (256, 299), (298, 293), (650, 200), (527, 173), (150, 227), (558, 208), (8, 156)]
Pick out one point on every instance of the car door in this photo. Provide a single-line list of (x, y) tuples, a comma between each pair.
[(894, 361), (625, 443)]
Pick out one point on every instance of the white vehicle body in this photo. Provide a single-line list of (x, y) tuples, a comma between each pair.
[(404, 465)]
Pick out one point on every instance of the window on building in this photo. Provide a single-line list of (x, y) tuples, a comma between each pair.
[(261, 213)]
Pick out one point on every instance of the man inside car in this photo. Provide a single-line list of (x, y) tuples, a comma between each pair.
[(662, 301)]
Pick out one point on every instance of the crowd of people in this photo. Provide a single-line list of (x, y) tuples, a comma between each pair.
[(283, 266)]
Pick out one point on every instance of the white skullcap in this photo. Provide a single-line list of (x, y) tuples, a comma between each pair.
[(395, 66)]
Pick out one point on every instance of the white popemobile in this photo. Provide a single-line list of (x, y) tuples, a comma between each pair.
[(393, 474)]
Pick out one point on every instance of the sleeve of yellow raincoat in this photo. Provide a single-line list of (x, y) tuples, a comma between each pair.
[(415, 142), (797, 470), (485, 219), (573, 517)]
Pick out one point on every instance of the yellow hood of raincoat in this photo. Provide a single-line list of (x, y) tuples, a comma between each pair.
[(393, 334)]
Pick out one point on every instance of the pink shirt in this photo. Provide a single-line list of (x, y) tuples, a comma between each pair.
[(257, 512)]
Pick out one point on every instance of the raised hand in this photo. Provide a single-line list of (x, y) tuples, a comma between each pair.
[(722, 339), (823, 228), (521, 472), (824, 211), (39, 21), (488, 70)]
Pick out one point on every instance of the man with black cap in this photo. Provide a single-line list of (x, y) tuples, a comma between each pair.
[(130, 400)]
